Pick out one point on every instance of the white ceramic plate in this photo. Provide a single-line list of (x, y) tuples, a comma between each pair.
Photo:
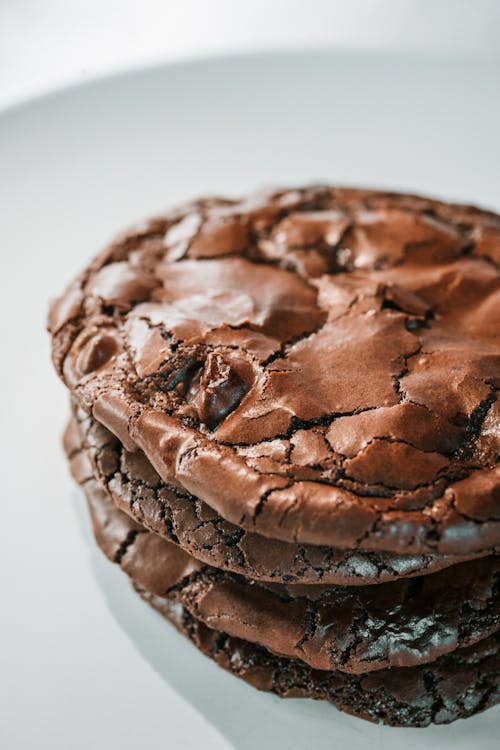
[(84, 664)]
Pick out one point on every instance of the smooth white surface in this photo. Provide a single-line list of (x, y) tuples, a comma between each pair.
[(83, 663), (47, 43)]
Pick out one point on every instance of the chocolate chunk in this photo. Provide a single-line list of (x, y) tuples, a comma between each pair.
[(220, 391), (98, 351)]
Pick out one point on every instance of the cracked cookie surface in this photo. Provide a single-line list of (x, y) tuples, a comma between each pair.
[(137, 489), (456, 686), (350, 629), (319, 366)]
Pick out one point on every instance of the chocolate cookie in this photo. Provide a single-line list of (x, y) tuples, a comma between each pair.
[(456, 686), (319, 365), (137, 489), (355, 630)]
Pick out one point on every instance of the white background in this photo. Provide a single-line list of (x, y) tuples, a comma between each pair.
[(47, 43), (83, 663)]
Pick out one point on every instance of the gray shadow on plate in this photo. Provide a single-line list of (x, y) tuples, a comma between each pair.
[(246, 717)]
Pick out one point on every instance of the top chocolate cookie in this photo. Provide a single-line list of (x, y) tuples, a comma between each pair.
[(318, 365)]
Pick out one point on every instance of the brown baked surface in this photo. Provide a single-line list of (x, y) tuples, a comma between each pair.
[(318, 365)]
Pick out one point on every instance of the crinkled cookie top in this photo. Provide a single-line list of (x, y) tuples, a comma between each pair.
[(318, 365)]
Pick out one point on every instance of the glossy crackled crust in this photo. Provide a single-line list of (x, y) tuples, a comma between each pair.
[(138, 490), (351, 629), (328, 358), (457, 686)]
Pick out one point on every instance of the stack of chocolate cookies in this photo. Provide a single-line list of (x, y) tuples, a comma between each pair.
[(285, 420)]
